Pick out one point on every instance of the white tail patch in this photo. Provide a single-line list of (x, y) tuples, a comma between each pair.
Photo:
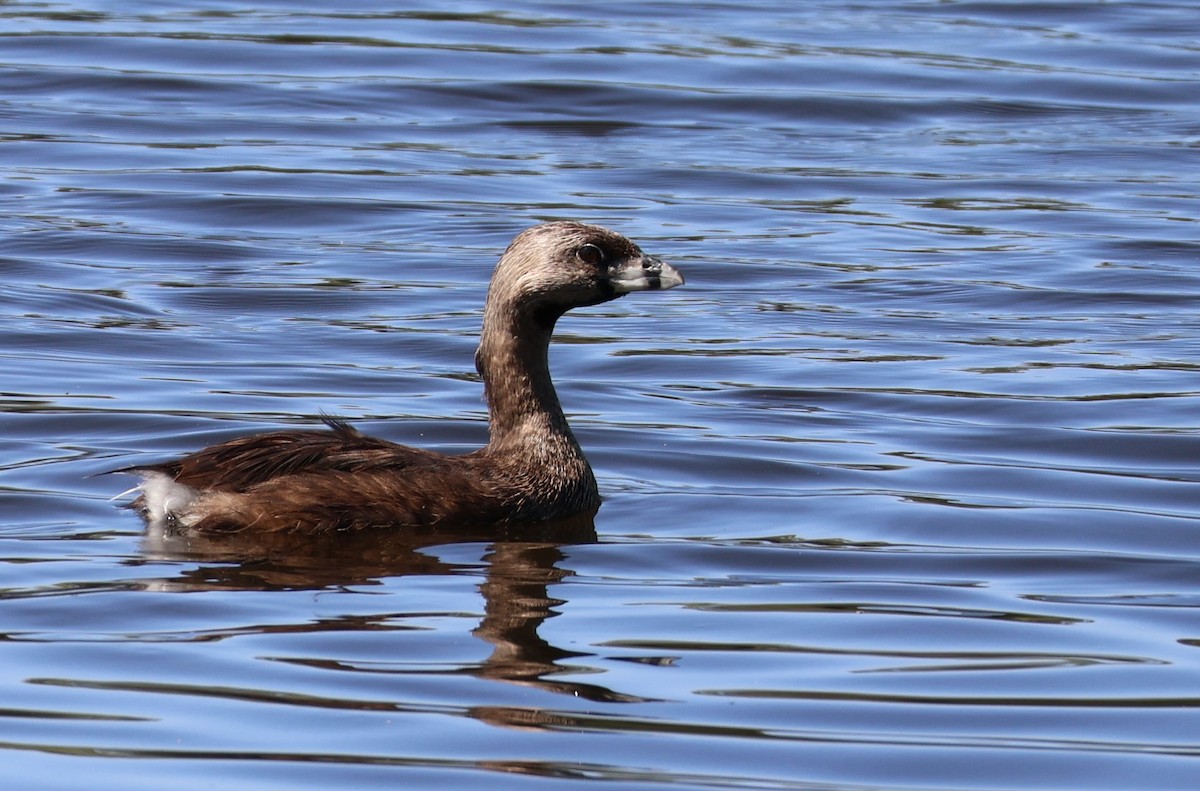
[(164, 497)]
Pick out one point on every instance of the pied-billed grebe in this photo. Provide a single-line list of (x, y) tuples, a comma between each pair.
[(531, 469)]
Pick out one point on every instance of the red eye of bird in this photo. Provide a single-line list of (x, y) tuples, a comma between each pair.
[(590, 254)]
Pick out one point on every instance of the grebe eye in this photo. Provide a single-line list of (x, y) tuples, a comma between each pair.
[(590, 254)]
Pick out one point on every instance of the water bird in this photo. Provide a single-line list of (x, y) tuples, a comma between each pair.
[(531, 470)]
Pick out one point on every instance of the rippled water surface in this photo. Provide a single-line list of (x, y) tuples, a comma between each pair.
[(902, 489)]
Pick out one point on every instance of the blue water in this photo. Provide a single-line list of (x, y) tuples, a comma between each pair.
[(902, 489)]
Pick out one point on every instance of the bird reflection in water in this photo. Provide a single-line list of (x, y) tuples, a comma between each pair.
[(517, 579)]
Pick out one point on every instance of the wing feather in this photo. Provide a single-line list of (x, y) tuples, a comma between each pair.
[(241, 463)]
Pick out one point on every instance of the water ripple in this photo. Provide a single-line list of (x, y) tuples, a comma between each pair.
[(900, 489)]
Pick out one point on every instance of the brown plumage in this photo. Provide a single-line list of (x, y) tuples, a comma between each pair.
[(532, 469)]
